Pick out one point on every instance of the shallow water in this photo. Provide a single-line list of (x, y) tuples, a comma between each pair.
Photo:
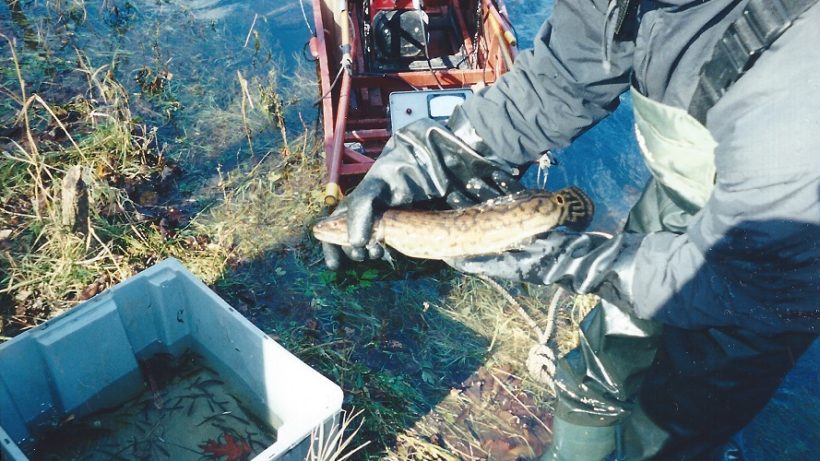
[(188, 410), (181, 63)]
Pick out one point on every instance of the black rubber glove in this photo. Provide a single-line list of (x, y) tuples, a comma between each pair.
[(422, 161), (582, 263)]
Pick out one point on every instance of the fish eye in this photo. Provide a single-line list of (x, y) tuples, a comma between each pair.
[(559, 199)]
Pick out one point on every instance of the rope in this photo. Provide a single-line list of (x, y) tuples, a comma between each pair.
[(540, 359)]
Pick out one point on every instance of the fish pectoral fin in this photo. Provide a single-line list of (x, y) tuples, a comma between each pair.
[(522, 245), (387, 256)]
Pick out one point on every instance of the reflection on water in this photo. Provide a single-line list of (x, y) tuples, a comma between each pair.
[(201, 49)]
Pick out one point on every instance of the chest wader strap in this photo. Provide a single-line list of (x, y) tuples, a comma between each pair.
[(761, 23)]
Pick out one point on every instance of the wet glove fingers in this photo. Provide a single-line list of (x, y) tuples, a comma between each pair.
[(333, 256), (457, 199), (506, 182), (361, 207)]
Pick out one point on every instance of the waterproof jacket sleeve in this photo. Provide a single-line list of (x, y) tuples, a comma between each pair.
[(564, 85), (751, 256)]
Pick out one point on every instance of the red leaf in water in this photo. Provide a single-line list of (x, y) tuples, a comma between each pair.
[(232, 449)]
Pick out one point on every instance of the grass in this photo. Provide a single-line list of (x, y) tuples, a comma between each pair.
[(47, 268), (432, 360)]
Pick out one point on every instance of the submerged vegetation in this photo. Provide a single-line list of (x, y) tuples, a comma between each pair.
[(111, 161)]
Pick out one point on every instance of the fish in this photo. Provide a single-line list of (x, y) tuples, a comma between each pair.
[(505, 223)]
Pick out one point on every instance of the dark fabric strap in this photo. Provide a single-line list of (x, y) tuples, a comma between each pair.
[(761, 23), (626, 25)]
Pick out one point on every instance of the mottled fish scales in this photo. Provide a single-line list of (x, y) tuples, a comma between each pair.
[(491, 227)]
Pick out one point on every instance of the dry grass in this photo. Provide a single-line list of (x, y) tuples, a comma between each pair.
[(499, 412), (47, 268)]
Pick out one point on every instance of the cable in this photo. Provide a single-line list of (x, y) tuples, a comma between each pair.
[(423, 22), (540, 359), (304, 15), (345, 65), (305, 51), (507, 20), (332, 85), (478, 26)]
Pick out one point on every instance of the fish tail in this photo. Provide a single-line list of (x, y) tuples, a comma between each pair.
[(579, 208)]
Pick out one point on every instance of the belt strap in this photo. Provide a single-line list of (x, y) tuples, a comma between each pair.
[(761, 23)]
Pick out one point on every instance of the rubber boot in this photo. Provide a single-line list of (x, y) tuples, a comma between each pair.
[(572, 442)]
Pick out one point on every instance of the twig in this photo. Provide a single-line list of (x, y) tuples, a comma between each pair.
[(123, 274), (506, 295), (60, 124), (526, 408), (246, 95), (35, 155), (250, 31)]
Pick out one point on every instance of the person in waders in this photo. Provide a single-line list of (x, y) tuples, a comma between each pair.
[(710, 293)]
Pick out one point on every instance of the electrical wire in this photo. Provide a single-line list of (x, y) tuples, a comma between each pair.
[(422, 16), (332, 85), (305, 53), (342, 68), (304, 15)]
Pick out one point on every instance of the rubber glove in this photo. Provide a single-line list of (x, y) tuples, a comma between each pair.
[(579, 262), (422, 161)]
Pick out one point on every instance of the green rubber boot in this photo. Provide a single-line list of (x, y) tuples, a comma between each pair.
[(572, 442)]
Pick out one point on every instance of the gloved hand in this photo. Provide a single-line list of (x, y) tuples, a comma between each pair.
[(422, 161), (582, 263)]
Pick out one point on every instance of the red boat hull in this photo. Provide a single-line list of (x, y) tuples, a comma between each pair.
[(355, 102)]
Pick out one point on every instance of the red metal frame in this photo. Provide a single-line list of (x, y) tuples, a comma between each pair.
[(354, 109)]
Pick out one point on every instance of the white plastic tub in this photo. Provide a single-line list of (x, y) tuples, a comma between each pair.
[(86, 360)]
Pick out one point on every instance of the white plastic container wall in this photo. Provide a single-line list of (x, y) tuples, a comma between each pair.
[(87, 359)]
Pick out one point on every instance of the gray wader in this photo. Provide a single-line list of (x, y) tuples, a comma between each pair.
[(668, 393)]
